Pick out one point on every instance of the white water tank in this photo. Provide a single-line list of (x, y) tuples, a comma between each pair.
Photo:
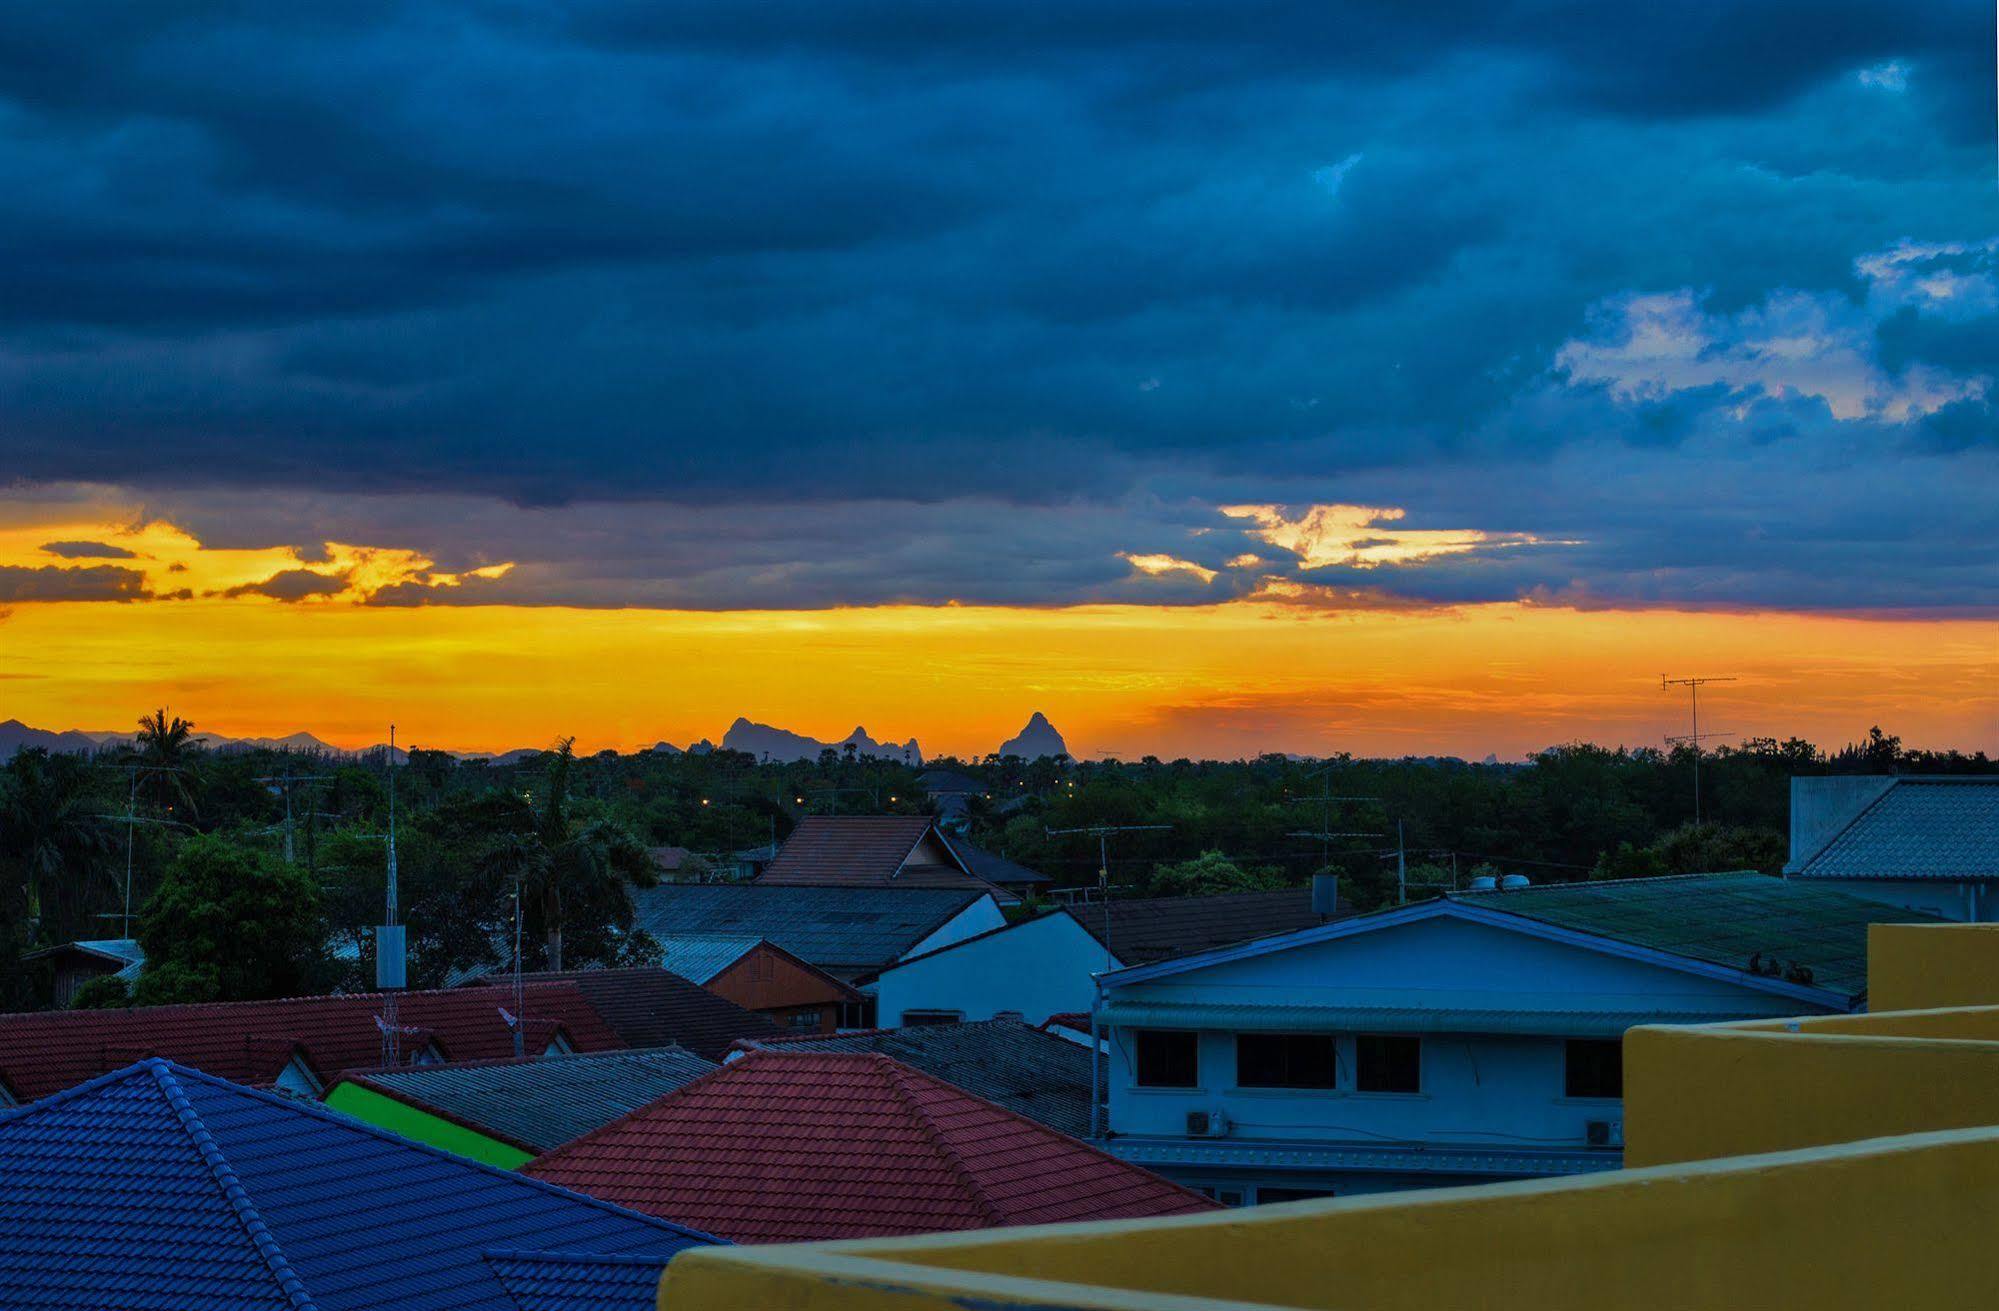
[(1513, 882), (1485, 883)]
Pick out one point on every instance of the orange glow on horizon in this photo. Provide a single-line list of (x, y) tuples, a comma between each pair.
[(1222, 680)]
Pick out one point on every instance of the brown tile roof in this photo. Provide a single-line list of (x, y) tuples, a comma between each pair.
[(862, 851), (787, 1147), (251, 1042), (651, 1007)]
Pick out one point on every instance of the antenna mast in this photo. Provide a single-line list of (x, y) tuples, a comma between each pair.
[(391, 956), (1693, 739)]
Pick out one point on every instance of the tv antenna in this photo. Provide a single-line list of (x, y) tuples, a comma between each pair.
[(282, 783), (391, 954), (1693, 738), (1325, 799), (1103, 834)]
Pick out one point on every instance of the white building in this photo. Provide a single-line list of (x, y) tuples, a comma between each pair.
[(1466, 1039), (1928, 843)]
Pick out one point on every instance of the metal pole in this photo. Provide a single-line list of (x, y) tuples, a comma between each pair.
[(1401, 868), (131, 817), (520, 1017), (1096, 1062), (1695, 688)]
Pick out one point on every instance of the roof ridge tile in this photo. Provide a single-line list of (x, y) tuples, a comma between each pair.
[(165, 1075)]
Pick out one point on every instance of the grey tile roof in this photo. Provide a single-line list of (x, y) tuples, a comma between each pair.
[(993, 867), (701, 956), (1026, 1070), (1722, 919), (1151, 929), (652, 1007), (541, 1103), (838, 929), (1919, 828)]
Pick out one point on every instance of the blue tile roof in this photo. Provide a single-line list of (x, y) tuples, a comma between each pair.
[(575, 1281), (1917, 828), (158, 1188)]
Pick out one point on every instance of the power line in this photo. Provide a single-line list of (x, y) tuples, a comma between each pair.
[(1102, 833)]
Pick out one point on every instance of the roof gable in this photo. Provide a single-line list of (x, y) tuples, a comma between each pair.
[(1150, 929), (848, 1146), (1712, 924), (699, 957), (162, 1186), (834, 928), (870, 851), (1913, 828)]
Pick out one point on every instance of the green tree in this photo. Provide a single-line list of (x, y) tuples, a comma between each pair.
[(574, 871), (230, 924), (1208, 874), (105, 992), (54, 843), (1696, 849)]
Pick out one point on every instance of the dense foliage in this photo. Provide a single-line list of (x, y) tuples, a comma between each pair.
[(256, 872)]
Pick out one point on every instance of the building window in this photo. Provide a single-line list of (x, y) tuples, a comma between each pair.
[(1388, 1063), (1168, 1058), (1285, 1060), (912, 1018), (1265, 1196), (808, 1019), (1594, 1067)]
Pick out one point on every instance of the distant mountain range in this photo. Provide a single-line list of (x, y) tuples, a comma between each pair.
[(1038, 738), (763, 740)]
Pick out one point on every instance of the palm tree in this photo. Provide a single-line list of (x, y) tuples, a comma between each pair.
[(165, 750), (561, 865), (52, 835)]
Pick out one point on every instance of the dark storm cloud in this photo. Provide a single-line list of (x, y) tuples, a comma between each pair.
[(292, 585), (87, 551), (53, 583), (985, 286)]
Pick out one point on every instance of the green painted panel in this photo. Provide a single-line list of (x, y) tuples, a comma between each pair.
[(367, 1105)]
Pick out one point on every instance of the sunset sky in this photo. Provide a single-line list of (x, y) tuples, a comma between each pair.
[(1215, 379)]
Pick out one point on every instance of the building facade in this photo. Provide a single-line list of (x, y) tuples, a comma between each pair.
[(1462, 1040)]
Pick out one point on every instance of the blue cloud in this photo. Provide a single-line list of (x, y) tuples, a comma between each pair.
[(1028, 260)]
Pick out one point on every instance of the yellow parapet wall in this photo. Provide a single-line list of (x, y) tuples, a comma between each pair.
[(1902, 1222), (1923, 966), (1711, 1091)]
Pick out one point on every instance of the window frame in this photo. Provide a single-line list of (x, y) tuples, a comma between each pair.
[(1288, 1084), (1138, 1044), (1361, 1042), (1569, 1071)]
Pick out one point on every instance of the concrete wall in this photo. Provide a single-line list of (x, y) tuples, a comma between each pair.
[(976, 918), (1721, 1090), (1901, 1222), (420, 1126), (1920, 966), (1039, 968)]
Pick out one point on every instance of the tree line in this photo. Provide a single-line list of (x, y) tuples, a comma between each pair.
[(257, 872)]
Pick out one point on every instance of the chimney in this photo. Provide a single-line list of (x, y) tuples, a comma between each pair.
[(1325, 895)]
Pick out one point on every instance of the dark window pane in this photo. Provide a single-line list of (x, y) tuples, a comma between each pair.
[(1595, 1067), (1168, 1059), (1389, 1063), (1284, 1060)]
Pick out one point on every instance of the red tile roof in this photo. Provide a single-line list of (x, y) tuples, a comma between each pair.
[(790, 1146), (874, 851), (251, 1042)]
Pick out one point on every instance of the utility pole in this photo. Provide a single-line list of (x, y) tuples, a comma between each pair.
[(284, 782), (1693, 739), (130, 819), (391, 955)]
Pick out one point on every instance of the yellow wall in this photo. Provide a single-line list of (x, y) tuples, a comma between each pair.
[(1901, 1222), (1920, 966), (1722, 1090)]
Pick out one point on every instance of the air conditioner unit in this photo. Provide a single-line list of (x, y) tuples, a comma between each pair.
[(1605, 1133), (1207, 1124)]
